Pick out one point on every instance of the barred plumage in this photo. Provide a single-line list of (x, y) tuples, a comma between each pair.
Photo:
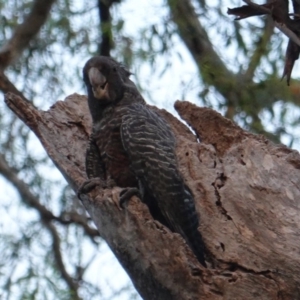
[(135, 147)]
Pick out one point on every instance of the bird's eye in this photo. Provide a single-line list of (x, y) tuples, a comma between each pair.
[(114, 69)]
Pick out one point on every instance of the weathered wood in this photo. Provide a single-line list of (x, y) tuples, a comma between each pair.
[(247, 195)]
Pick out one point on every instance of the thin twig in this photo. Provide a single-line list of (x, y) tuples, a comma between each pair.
[(73, 286), (33, 201), (289, 33), (282, 27), (258, 7), (260, 49)]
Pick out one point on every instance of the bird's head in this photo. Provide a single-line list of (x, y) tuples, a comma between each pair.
[(105, 79)]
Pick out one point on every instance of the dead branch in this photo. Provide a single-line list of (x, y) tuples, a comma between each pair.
[(246, 192)]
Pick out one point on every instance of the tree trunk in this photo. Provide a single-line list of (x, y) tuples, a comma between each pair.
[(247, 193)]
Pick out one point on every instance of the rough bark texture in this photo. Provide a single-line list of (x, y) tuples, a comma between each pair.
[(246, 192)]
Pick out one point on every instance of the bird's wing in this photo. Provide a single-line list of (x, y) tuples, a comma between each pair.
[(150, 145)]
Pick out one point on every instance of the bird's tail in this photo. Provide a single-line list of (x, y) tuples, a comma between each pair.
[(189, 226)]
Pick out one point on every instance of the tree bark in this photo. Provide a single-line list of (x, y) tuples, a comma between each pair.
[(246, 191)]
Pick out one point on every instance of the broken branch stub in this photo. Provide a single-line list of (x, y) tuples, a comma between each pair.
[(246, 191)]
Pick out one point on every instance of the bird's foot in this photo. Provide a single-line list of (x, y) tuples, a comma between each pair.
[(90, 184), (126, 194)]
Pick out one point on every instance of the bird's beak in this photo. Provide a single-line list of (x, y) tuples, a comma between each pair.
[(98, 82)]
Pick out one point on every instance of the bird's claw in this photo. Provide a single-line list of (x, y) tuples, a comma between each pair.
[(126, 194), (89, 185)]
